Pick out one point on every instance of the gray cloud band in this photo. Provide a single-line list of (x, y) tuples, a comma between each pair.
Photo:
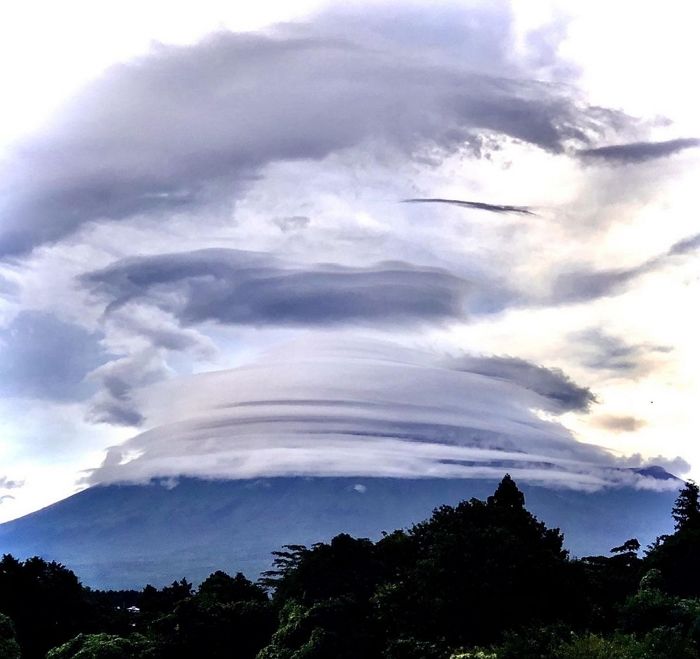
[(246, 288), (237, 287)]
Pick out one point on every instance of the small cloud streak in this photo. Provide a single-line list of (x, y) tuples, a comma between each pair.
[(477, 205), (605, 352), (583, 285), (292, 223), (9, 484), (619, 423), (637, 152)]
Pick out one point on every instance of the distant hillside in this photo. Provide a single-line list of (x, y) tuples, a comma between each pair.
[(121, 536)]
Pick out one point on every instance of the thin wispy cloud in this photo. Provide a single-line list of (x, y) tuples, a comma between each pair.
[(477, 205), (636, 152)]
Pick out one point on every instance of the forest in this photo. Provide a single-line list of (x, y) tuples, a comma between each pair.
[(479, 580)]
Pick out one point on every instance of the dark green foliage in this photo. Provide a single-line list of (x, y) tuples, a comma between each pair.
[(662, 643), (104, 646), (677, 556), (45, 601), (607, 581), (480, 580), (410, 648), (478, 568), (153, 601), (345, 567), (215, 629), (686, 512), (220, 588), (9, 648), (335, 628)]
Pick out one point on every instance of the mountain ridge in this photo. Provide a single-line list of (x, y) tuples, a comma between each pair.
[(120, 536)]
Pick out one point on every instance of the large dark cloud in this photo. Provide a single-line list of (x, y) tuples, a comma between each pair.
[(635, 152), (184, 125), (245, 288), (44, 357)]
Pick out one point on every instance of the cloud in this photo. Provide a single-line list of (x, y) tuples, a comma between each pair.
[(8, 288), (478, 205), (322, 406), (115, 403), (292, 223), (245, 288), (132, 327), (601, 351), (188, 125), (554, 385), (8, 484), (44, 357), (636, 152), (653, 464), (685, 246), (583, 284), (620, 423)]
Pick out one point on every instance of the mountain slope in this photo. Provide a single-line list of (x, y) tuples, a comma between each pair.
[(122, 536)]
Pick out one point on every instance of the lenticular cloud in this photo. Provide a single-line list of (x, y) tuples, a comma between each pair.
[(338, 408)]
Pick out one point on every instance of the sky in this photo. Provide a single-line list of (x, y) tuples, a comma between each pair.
[(360, 239)]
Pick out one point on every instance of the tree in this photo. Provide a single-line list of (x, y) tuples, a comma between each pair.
[(507, 495), (478, 568), (154, 602), (678, 555), (221, 588), (686, 512), (46, 602), (9, 648), (631, 546)]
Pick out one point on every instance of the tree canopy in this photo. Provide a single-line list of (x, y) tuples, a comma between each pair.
[(479, 580)]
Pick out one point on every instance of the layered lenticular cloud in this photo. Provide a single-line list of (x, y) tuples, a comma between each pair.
[(328, 407)]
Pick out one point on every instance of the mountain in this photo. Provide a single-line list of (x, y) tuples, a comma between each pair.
[(121, 536)]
